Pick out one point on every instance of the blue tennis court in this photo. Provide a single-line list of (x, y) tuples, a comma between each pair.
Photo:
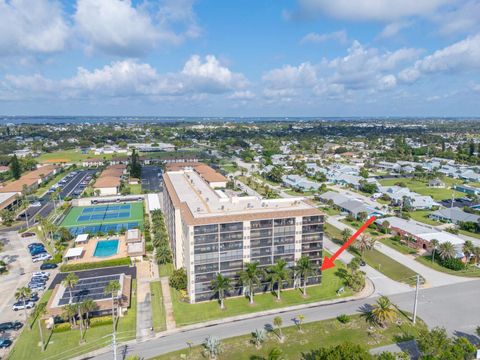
[(104, 228), (107, 212)]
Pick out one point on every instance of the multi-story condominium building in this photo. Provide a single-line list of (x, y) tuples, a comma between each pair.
[(212, 231)]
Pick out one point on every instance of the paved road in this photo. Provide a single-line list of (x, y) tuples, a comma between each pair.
[(151, 182), (454, 307)]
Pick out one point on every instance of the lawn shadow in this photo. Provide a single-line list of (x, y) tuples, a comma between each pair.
[(474, 339)]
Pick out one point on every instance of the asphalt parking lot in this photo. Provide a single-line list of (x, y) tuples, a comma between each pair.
[(151, 181), (20, 269), (128, 270)]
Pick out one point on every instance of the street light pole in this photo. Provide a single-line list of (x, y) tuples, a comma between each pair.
[(415, 304)]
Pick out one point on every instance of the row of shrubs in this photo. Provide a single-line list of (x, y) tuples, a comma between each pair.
[(94, 265), (94, 322)]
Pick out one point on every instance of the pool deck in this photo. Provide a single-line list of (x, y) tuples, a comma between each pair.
[(89, 250)]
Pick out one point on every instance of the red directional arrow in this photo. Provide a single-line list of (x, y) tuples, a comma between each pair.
[(329, 262)]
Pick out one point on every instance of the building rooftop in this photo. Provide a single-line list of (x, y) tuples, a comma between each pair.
[(201, 201)]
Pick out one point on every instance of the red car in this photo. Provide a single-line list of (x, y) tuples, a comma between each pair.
[(28, 234)]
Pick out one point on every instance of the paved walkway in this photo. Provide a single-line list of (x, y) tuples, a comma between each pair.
[(167, 302), (434, 278), (383, 284), (144, 301)]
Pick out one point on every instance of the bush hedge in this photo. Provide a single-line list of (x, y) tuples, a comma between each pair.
[(453, 264), (94, 265)]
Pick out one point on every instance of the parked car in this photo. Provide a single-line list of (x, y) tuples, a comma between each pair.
[(27, 234), (41, 257), (32, 245), (36, 287), (41, 273), (48, 266), (38, 252), (38, 280), (36, 204), (10, 325), (5, 343), (20, 305), (34, 297)]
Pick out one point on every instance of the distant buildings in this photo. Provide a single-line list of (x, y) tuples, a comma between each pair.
[(454, 215), (400, 195), (300, 182), (212, 232), (30, 180)]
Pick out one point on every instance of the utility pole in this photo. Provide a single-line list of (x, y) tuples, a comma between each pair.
[(415, 305)]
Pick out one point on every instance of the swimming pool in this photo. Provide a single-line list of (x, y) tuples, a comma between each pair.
[(106, 248)]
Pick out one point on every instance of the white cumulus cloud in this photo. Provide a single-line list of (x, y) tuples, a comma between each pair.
[(36, 27), (340, 36)]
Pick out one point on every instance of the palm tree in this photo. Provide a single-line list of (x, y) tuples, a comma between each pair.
[(39, 312), (23, 294), (434, 244), (69, 312), (259, 336), (250, 277), (69, 282), (300, 320), (87, 306), (446, 250), (212, 347), (275, 354), (346, 233), (476, 253), (112, 289), (80, 321), (304, 269), (221, 284), (468, 248), (278, 322), (278, 273), (363, 243), (382, 311)]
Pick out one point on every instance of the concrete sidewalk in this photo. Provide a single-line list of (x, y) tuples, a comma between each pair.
[(167, 302), (144, 302)]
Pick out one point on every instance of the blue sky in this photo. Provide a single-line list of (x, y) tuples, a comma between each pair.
[(240, 58)]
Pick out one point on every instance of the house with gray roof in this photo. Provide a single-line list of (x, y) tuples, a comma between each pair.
[(454, 215), (350, 204), (297, 181)]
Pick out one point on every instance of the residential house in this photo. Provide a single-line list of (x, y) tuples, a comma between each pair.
[(300, 182), (454, 215), (466, 189)]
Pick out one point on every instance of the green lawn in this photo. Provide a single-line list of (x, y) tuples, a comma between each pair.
[(471, 271), (135, 189), (383, 263), (468, 233), (186, 313), (422, 188), (65, 345), (229, 168), (329, 210), (257, 186), (136, 214), (422, 216), (300, 193), (313, 335), (165, 269), (158, 309), (72, 156), (397, 245)]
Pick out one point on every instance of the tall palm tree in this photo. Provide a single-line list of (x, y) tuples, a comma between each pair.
[(23, 294), (476, 253), (251, 276), (39, 312), (303, 270), (87, 306), (69, 312), (468, 248), (278, 273), (446, 250), (434, 244), (112, 289), (80, 321), (383, 311), (364, 243), (69, 282), (346, 233), (221, 284)]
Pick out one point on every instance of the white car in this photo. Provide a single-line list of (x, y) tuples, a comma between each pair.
[(41, 257), (20, 305), (41, 274), (37, 286), (36, 204)]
